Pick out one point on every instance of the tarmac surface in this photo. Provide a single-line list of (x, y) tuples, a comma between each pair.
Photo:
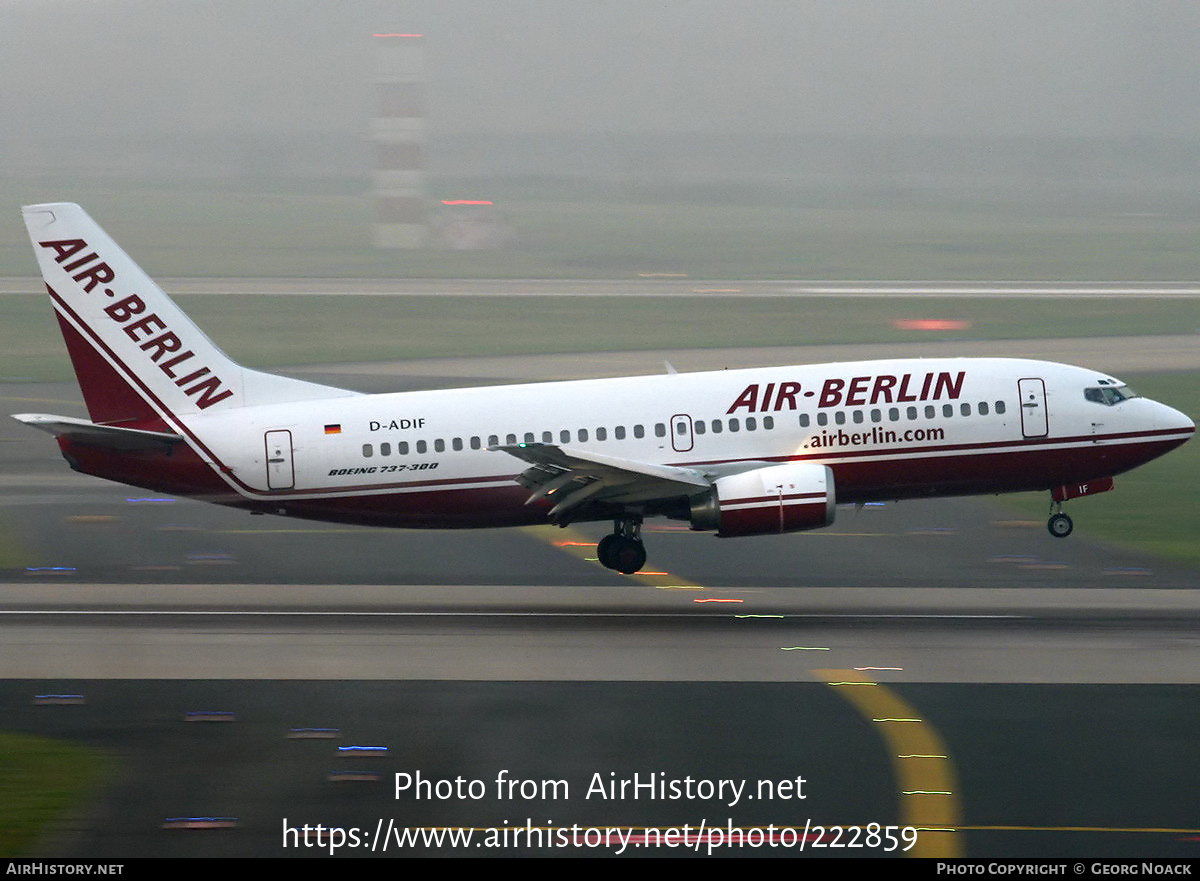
[(941, 665), (653, 285)]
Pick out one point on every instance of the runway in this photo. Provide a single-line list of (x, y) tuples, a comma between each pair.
[(1045, 691), (656, 285), (316, 632)]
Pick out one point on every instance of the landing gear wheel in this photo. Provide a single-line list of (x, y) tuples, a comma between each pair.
[(623, 550), (623, 554), (606, 551), (628, 556), (1060, 525)]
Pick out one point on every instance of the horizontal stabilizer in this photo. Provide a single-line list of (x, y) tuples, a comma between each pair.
[(109, 436)]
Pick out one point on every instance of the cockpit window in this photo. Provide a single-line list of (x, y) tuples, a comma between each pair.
[(1110, 395)]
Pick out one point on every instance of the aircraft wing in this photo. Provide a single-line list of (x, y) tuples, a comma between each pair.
[(111, 436), (572, 477)]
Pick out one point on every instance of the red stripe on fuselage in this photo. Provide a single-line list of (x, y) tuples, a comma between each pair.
[(176, 470), (442, 504)]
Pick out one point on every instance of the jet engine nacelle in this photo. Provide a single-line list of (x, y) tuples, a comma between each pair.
[(767, 501)]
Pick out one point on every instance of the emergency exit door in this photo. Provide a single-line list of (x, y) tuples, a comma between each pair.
[(681, 433), (281, 473)]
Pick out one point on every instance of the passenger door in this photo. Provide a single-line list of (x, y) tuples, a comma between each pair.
[(1034, 420), (281, 473)]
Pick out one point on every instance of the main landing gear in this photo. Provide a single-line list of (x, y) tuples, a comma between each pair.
[(1059, 524), (623, 550)]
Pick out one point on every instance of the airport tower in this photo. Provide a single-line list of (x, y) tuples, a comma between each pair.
[(398, 132)]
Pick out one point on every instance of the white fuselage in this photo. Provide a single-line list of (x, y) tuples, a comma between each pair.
[(889, 429)]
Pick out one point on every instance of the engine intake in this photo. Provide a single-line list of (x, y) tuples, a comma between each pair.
[(767, 501)]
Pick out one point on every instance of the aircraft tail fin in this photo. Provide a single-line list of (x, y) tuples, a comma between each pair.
[(139, 359)]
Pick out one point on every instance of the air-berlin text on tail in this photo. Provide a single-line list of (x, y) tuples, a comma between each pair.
[(857, 391), (165, 349)]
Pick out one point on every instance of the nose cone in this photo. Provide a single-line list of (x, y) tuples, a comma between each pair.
[(1174, 425), (1178, 421)]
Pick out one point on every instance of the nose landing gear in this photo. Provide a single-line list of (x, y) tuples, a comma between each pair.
[(1059, 524), (623, 550)]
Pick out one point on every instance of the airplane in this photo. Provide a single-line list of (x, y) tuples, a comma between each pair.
[(737, 452)]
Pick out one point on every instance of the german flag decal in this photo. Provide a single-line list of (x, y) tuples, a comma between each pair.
[(333, 429)]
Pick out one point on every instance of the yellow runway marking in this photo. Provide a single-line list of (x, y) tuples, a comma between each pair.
[(1160, 831), (927, 787)]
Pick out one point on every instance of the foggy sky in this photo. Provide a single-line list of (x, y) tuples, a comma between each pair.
[(74, 68)]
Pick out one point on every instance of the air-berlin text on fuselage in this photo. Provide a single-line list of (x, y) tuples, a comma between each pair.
[(858, 391), (164, 348)]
